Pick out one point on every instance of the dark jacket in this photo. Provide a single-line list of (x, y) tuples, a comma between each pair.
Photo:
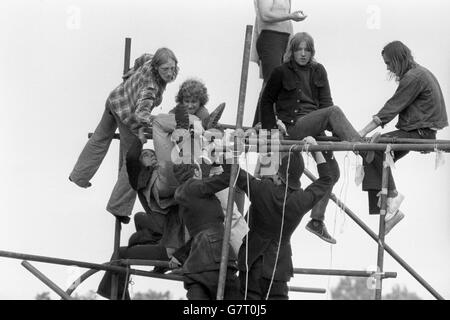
[(284, 90), (203, 217), (418, 102), (266, 216)]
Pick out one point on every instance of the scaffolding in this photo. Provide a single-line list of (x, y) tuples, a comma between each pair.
[(252, 144)]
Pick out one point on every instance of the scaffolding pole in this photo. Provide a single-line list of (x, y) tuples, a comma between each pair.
[(345, 273), (381, 232), (118, 225), (46, 280), (235, 166), (372, 234)]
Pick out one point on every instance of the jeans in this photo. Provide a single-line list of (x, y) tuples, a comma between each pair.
[(373, 171), (258, 286), (203, 285), (314, 124), (271, 46), (122, 198), (146, 252)]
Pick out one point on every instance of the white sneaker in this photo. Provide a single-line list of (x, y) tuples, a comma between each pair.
[(393, 204), (391, 220)]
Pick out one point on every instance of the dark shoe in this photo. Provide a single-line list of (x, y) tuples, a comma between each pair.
[(160, 270), (371, 154), (181, 117), (391, 220), (318, 228), (123, 219), (214, 117)]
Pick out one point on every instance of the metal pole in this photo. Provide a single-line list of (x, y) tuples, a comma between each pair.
[(309, 290), (234, 166), (115, 256), (140, 262), (88, 265), (347, 273), (118, 227), (329, 140), (372, 234), (360, 147), (46, 280), (381, 233)]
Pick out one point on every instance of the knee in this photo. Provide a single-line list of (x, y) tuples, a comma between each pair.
[(334, 169), (336, 109), (139, 220)]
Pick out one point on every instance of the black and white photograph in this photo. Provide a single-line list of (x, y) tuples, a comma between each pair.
[(225, 150)]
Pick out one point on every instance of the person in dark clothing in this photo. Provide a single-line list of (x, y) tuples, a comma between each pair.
[(204, 220), (419, 104), (300, 91), (149, 251), (277, 207)]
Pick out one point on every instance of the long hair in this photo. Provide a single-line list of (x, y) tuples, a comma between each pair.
[(400, 57), (294, 44), (192, 88), (161, 56)]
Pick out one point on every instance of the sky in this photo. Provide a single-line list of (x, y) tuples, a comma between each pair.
[(60, 60)]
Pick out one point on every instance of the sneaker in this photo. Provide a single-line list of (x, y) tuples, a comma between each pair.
[(123, 219), (318, 228), (393, 204), (371, 154), (161, 270), (214, 117), (391, 220)]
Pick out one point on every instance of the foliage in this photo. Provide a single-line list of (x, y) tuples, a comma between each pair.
[(91, 295), (351, 288)]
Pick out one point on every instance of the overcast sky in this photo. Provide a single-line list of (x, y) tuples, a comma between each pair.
[(60, 59)]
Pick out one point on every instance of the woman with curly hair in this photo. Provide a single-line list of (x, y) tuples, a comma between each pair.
[(190, 106), (128, 108)]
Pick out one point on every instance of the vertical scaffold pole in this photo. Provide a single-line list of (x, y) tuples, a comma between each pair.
[(383, 209), (234, 166), (374, 236), (118, 226)]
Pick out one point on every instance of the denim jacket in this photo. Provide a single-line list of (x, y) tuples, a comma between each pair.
[(283, 90), (418, 102)]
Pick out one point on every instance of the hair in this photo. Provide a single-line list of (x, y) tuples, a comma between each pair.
[(294, 44), (400, 57), (161, 56), (192, 88)]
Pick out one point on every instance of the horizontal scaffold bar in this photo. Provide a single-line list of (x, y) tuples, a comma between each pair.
[(88, 265), (115, 268), (348, 273), (307, 290), (300, 146), (386, 140)]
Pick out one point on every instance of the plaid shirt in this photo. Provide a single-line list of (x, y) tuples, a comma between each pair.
[(134, 99)]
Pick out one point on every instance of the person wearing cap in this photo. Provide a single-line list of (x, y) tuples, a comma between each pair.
[(278, 204), (128, 108), (300, 91), (204, 219)]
